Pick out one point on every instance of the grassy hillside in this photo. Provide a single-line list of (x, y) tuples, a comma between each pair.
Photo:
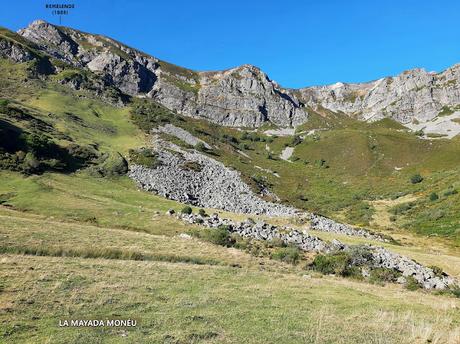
[(189, 291), (341, 169)]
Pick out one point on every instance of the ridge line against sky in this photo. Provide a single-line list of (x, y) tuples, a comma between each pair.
[(297, 43)]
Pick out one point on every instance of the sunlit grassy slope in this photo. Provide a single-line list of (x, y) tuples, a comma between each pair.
[(188, 291)]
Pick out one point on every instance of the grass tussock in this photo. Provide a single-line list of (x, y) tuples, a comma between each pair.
[(104, 253)]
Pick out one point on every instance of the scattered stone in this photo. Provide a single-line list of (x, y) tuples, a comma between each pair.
[(324, 224), (378, 257), (213, 186), (181, 134)]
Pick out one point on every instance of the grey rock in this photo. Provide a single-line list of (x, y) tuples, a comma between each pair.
[(378, 257), (321, 223), (212, 186)]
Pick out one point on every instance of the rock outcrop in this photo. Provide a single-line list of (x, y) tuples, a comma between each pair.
[(242, 96), (414, 96)]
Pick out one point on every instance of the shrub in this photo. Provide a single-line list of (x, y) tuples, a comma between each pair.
[(144, 157), (200, 146), (186, 210), (240, 242), (412, 284), (244, 135), (401, 208), (192, 166), (31, 162), (434, 196), (416, 178), (217, 236), (202, 212), (321, 163), (383, 275), (244, 146), (456, 291), (113, 165), (287, 254), (276, 242), (334, 263)]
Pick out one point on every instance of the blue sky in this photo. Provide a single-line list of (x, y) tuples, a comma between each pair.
[(297, 43)]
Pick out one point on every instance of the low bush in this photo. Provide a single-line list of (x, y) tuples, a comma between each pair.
[(202, 212), (401, 208), (416, 178), (192, 166), (412, 283), (382, 275), (437, 270), (287, 254), (334, 263), (450, 192), (144, 157), (186, 210), (434, 197), (218, 236)]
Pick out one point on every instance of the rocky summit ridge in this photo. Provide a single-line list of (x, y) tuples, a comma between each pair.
[(245, 96)]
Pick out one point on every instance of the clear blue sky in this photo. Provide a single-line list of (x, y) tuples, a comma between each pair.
[(297, 43)]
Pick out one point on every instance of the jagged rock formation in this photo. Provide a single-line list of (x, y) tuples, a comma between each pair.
[(194, 178), (373, 257), (14, 51), (245, 96), (410, 97), (242, 96)]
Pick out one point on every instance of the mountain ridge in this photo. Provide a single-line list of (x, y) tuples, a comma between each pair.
[(245, 96)]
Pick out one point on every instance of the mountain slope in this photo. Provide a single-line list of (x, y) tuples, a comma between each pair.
[(246, 97)]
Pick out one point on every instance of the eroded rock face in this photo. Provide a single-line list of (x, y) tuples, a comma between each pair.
[(242, 96), (414, 95), (14, 52), (125, 68), (245, 96)]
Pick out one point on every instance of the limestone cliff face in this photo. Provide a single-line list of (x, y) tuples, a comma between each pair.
[(245, 96), (412, 96)]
